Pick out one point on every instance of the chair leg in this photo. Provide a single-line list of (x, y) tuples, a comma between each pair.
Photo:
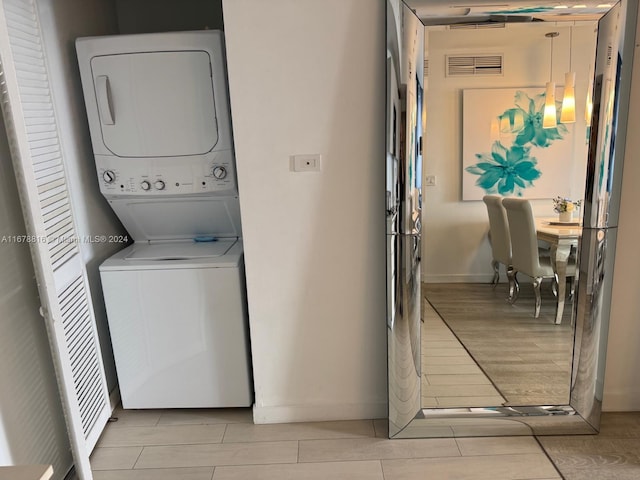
[(554, 285), (572, 290), (514, 286), (496, 273), (536, 288)]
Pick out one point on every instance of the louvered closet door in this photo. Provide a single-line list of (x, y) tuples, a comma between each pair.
[(30, 120)]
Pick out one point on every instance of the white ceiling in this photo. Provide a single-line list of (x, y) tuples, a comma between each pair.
[(447, 11)]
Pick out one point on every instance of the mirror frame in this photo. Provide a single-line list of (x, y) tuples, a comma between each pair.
[(591, 310)]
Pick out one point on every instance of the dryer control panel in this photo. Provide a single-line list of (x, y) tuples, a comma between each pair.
[(212, 173)]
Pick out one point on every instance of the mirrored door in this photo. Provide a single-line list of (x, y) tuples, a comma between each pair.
[(489, 366)]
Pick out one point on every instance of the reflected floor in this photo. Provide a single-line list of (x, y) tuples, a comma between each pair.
[(450, 376), (526, 361)]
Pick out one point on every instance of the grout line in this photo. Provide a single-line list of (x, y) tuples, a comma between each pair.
[(544, 450), (298, 453), (455, 439), (224, 433), (213, 473), (138, 457)]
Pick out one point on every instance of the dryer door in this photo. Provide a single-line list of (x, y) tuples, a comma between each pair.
[(158, 104)]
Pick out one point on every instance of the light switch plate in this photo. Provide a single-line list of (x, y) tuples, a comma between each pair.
[(430, 181), (306, 163)]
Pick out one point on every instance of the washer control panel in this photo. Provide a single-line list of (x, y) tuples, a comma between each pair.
[(214, 173)]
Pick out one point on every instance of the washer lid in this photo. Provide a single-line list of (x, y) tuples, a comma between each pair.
[(180, 250), (178, 218), (137, 257)]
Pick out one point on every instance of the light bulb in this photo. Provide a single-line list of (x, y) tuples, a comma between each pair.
[(568, 113), (549, 119)]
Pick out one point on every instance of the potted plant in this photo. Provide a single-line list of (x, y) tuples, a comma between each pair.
[(565, 207)]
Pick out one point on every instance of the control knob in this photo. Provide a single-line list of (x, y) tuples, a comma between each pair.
[(144, 185), (219, 172), (159, 185), (109, 176)]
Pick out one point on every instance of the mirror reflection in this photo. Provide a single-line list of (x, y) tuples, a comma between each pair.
[(491, 336)]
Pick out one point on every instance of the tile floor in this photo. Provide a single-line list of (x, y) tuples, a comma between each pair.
[(450, 376), (225, 445)]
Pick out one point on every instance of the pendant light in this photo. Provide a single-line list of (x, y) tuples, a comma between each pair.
[(549, 119), (568, 113)]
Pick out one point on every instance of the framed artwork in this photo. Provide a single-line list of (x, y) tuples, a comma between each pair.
[(505, 150)]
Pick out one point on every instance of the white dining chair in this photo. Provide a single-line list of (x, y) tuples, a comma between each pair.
[(500, 241), (525, 256)]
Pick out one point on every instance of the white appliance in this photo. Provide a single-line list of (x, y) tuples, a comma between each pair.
[(160, 128)]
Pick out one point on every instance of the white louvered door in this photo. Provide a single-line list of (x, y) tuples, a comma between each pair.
[(29, 113)]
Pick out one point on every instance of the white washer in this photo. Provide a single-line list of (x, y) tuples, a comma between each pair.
[(178, 322), (159, 119)]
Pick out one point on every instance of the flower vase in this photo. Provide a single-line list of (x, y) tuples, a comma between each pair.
[(565, 217)]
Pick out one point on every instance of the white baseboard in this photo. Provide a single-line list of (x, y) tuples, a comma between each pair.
[(459, 278), (318, 413), (621, 401)]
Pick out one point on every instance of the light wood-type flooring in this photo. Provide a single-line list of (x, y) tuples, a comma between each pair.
[(527, 361), (226, 445)]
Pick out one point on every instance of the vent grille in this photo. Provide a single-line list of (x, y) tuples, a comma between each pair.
[(476, 26), (83, 355), (474, 65), (426, 67)]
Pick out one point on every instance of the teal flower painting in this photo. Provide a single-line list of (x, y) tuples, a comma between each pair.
[(505, 171), (532, 111), (506, 151)]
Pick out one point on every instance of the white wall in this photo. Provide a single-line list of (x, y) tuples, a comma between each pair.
[(455, 247), (307, 76), (62, 22), (32, 428), (622, 377)]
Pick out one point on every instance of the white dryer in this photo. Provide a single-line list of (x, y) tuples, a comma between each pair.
[(160, 127)]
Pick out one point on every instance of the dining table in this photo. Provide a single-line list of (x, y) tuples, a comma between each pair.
[(563, 237)]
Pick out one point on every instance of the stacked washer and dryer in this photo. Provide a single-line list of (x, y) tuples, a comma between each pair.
[(160, 127)]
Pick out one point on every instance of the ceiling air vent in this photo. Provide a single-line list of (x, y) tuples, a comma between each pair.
[(466, 65), (476, 26)]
